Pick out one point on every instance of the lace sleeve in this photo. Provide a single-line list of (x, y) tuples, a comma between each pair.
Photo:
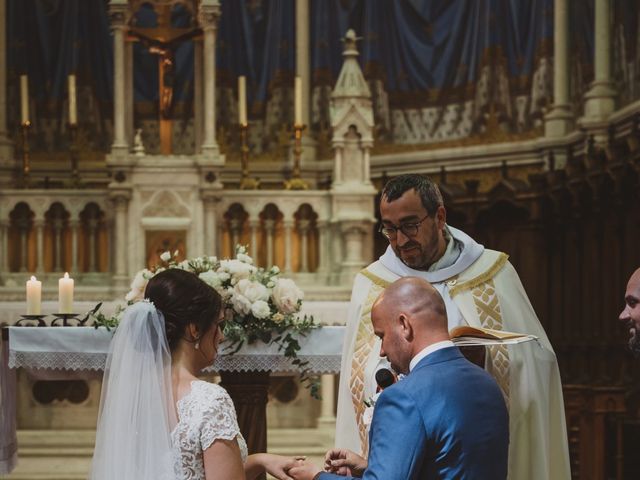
[(218, 420)]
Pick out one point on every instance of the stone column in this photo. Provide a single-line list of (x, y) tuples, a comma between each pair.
[(303, 55), (600, 99), (210, 223), (324, 250), (254, 224), (23, 226), (269, 228), (327, 415), (6, 155), (119, 11), (303, 230), (288, 230), (197, 94), (208, 16), (4, 246), (559, 121), (75, 227), (120, 199), (39, 224), (129, 99)]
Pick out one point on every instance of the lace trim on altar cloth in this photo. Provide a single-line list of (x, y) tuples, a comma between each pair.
[(317, 364)]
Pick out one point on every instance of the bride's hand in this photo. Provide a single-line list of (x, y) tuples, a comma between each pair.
[(279, 466)]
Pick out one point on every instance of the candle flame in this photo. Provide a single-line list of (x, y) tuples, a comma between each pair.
[(66, 274), (33, 279)]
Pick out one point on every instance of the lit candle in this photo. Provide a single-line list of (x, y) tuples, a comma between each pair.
[(34, 296), (73, 106), (242, 99), (65, 294), (298, 101), (24, 98)]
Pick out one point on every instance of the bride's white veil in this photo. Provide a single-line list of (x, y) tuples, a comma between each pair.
[(137, 411)]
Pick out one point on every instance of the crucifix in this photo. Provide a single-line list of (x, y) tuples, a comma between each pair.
[(162, 41)]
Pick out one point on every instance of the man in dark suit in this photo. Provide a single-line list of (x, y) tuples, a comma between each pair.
[(446, 419)]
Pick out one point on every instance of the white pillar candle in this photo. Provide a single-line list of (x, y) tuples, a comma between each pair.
[(24, 98), (73, 106), (298, 101), (34, 296), (65, 294), (242, 99)]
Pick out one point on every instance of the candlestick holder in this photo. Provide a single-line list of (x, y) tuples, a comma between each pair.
[(66, 320), (246, 182), (26, 164), (73, 153), (31, 321), (296, 183)]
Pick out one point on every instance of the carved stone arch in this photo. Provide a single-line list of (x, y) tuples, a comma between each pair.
[(235, 228), (21, 237), (165, 203)]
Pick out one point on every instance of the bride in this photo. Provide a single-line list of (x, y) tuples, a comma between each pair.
[(157, 419)]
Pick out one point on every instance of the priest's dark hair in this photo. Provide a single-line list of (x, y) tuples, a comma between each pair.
[(183, 299), (425, 187)]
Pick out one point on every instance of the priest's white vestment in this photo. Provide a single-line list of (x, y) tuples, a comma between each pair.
[(482, 289)]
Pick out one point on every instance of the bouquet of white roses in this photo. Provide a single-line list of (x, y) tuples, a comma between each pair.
[(259, 305)]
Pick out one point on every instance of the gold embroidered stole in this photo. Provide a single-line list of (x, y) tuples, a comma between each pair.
[(365, 340)]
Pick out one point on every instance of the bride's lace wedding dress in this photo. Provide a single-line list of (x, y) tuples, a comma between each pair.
[(205, 414)]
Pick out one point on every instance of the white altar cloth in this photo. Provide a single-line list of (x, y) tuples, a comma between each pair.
[(67, 351)]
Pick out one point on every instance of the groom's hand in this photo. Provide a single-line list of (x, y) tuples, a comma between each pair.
[(343, 461)]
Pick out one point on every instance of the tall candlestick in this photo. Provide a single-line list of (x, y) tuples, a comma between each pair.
[(65, 294), (73, 106), (24, 98), (242, 99), (298, 101), (34, 296)]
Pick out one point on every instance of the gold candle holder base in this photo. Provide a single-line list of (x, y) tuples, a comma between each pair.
[(296, 184), (248, 183)]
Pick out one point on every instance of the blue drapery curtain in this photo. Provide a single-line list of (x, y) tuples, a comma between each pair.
[(50, 40), (416, 54)]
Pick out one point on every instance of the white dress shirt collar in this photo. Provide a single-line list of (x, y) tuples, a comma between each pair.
[(428, 350)]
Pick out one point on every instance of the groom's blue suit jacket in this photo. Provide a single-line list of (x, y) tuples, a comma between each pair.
[(447, 419)]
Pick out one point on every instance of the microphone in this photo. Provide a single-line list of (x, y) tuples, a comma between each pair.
[(385, 378)]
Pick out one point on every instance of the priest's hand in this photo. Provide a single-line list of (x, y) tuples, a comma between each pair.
[(344, 462)]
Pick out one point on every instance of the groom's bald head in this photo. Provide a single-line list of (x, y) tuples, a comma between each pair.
[(412, 315)]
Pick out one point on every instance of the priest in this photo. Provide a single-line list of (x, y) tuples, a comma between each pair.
[(480, 288)]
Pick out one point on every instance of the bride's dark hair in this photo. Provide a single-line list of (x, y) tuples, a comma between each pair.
[(183, 298)]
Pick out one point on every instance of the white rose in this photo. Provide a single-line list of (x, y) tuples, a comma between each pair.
[(240, 304), (165, 257), (260, 309), (210, 278), (223, 276), (286, 295), (252, 291), (138, 286), (245, 258), (237, 268)]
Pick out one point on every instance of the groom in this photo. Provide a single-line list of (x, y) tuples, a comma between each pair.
[(446, 419)]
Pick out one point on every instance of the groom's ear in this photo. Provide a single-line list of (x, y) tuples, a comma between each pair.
[(406, 328)]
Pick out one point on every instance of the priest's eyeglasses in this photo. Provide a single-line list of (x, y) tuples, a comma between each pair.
[(409, 229)]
